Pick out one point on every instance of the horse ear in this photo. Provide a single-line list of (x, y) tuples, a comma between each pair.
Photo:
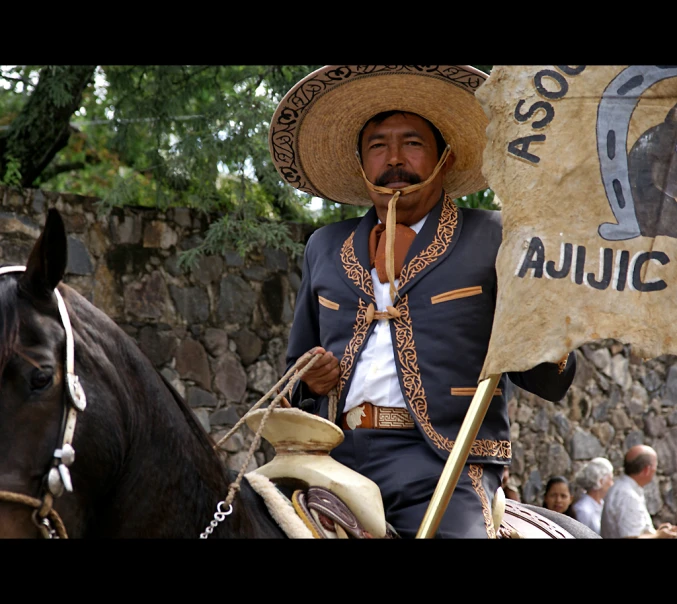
[(46, 264)]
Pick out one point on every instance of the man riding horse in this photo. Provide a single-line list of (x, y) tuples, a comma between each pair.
[(398, 305)]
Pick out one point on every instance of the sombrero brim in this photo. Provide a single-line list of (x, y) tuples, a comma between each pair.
[(314, 131)]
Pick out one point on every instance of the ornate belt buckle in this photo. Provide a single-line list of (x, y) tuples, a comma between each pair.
[(354, 417)]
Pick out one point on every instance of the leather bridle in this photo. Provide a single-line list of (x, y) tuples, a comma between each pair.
[(58, 478)]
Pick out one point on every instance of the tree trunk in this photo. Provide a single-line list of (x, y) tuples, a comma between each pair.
[(42, 128)]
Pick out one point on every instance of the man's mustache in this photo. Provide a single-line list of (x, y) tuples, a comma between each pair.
[(397, 175)]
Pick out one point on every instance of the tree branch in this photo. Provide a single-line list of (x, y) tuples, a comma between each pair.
[(19, 80), (42, 128), (190, 75), (56, 169)]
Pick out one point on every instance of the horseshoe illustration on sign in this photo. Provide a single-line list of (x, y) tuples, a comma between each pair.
[(637, 216)]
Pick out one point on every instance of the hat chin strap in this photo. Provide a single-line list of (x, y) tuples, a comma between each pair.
[(392, 212)]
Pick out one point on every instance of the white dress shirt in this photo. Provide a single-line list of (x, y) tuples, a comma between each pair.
[(589, 512), (375, 378), (625, 513)]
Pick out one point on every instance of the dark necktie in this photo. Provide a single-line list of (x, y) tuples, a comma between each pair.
[(377, 249)]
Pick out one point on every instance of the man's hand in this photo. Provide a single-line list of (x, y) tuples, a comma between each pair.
[(324, 374), (666, 531)]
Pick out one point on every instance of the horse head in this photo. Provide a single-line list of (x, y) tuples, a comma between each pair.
[(93, 441), (32, 365)]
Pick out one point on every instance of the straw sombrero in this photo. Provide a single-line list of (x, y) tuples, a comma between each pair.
[(314, 131)]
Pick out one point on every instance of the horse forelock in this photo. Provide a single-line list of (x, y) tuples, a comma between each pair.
[(9, 320), (139, 401)]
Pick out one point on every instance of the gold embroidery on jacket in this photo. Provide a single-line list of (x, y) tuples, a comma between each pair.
[(445, 231), (327, 303), (362, 279), (354, 269), (350, 353), (406, 350), (475, 472), (415, 393)]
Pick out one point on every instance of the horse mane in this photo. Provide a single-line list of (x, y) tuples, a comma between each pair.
[(200, 434), (101, 331), (204, 476)]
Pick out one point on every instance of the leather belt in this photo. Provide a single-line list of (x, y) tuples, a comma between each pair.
[(367, 415)]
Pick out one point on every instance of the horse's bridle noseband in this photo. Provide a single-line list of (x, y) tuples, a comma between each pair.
[(58, 478)]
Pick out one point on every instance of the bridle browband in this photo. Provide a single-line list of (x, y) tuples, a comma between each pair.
[(58, 479)]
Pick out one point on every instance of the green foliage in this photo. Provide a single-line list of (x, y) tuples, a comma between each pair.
[(176, 135), (12, 176), (179, 135), (482, 199), (333, 212), (60, 85), (244, 233)]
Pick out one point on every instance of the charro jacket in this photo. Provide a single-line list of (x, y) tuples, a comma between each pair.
[(446, 299)]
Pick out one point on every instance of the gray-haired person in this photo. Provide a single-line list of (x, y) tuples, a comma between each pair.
[(595, 478)]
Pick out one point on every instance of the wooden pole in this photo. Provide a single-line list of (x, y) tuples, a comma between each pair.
[(458, 456)]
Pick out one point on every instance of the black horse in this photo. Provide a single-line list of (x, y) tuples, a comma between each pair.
[(138, 462), (94, 443)]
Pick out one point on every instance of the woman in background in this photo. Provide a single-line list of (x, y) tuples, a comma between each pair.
[(557, 496), (595, 478)]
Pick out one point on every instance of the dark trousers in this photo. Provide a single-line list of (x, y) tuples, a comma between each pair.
[(407, 472)]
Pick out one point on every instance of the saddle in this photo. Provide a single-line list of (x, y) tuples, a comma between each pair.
[(329, 518), (323, 493), (312, 513), (312, 496)]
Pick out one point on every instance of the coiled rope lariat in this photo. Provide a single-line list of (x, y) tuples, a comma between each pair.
[(305, 362)]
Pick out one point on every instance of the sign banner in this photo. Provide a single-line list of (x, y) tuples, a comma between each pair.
[(584, 161)]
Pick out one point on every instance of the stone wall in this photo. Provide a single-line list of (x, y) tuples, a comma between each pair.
[(219, 334)]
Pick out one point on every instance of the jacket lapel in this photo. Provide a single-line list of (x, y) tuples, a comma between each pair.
[(435, 241), (353, 259)]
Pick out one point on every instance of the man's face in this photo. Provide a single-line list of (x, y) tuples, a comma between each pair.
[(647, 474), (398, 152), (652, 470)]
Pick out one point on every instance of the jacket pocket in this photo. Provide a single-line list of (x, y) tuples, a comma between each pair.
[(471, 391), (327, 303), (455, 294)]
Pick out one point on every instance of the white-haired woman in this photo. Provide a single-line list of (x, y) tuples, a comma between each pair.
[(595, 478)]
